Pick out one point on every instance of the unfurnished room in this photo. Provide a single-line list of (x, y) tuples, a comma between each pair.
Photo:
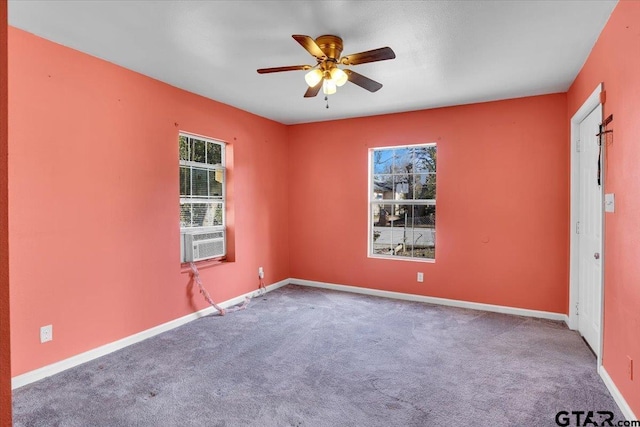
[(319, 213)]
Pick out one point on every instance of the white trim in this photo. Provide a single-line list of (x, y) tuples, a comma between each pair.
[(592, 102), (200, 165), (387, 147), (217, 167), (615, 393), (202, 137), (403, 258), (46, 371), (412, 202), (433, 300), (373, 201), (603, 254)]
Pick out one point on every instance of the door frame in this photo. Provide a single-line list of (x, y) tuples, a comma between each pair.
[(589, 105)]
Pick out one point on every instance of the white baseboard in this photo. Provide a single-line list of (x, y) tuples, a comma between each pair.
[(615, 393), (433, 300), (46, 371)]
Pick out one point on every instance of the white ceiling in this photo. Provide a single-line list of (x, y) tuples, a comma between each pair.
[(447, 52)]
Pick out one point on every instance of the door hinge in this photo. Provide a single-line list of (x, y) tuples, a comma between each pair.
[(577, 305), (578, 145), (578, 227)]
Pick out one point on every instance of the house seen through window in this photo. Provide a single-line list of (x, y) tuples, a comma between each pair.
[(402, 202), (202, 198)]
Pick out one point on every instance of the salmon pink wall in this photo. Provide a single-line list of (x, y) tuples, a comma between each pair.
[(502, 202), (615, 61), (94, 200), (5, 353)]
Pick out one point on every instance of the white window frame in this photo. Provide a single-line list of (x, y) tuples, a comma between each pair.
[(194, 199), (373, 201)]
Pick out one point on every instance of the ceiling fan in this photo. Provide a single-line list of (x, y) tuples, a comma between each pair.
[(326, 74)]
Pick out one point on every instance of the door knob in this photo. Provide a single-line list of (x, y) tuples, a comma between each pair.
[(596, 255)]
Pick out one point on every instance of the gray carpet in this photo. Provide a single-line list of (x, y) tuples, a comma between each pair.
[(310, 357)]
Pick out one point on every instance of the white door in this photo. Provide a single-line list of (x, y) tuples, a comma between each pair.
[(590, 232)]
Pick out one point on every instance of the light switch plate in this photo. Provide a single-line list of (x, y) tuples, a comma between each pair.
[(609, 202)]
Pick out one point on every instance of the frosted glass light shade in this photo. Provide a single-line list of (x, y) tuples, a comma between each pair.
[(328, 87), (313, 77), (339, 76)]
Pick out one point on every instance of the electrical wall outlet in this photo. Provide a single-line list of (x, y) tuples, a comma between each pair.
[(261, 272), (46, 333), (420, 277), (630, 367)]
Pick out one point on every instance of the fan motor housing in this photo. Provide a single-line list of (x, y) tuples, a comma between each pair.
[(330, 45)]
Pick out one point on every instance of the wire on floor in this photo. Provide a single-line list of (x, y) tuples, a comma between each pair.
[(207, 297), (262, 289)]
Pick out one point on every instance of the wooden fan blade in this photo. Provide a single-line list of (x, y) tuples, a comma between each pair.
[(313, 91), (310, 45), (287, 68), (362, 81), (374, 55)]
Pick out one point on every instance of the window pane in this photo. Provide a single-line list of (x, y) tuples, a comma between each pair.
[(214, 154), (185, 215), (403, 187), (425, 159), (200, 183), (207, 214), (423, 242), (197, 151), (215, 183), (185, 181), (217, 210), (199, 213), (425, 186), (403, 230), (381, 238), (424, 216), (382, 161), (383, 187), (402, 160), (387, 214), (184, 148), (387, 228)]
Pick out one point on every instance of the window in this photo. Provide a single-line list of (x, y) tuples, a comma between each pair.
[(402, 202), (202, 194)]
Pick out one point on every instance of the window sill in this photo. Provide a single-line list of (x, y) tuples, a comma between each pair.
[(201, 265), (398, 258)]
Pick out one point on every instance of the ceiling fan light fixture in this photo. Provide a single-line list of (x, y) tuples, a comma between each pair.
[(326, 50), (339, 76), (328, 87), (313, 77)]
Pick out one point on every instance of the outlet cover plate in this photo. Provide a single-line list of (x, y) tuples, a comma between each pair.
[(46, 333)]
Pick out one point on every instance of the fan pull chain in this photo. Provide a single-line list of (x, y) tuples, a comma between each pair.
[(326, 98)]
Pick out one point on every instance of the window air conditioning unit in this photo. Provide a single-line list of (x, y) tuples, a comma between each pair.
[(203, 245)]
